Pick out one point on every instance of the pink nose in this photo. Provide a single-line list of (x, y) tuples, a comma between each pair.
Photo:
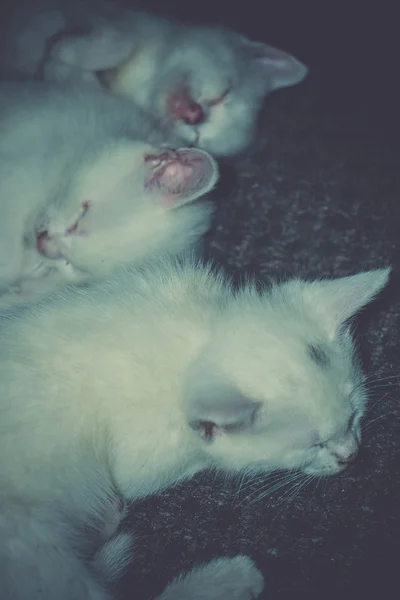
[(182, 106), (192, 114)]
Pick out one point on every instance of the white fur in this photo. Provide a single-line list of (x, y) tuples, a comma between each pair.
[(218, 580), (60, 147), (148, 60), (141, 381)]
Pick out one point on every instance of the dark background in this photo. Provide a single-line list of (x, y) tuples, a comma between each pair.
[(352, 48), (318, 194)]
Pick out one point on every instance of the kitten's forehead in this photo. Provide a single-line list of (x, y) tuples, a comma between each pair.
[(210, 56), (217, 54), (210, 42), (268, 323), (113, 159), (271, 353), (95, 173)]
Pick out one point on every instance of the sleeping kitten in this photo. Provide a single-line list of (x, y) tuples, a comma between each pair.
[(88, 184), (139, 382), (208, 82)]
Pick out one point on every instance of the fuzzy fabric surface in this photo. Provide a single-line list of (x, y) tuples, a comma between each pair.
[(317, 195)]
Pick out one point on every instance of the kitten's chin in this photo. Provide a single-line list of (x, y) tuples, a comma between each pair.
[(328, 471)]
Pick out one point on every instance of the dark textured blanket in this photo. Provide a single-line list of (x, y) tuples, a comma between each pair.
[(318, 195)]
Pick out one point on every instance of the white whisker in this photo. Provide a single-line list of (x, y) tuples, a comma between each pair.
[(270, 477), (378, 379), (287, 479), (371, 422), (378, 401), (270, 491)]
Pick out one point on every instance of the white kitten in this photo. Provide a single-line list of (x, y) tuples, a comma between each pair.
[(208, 82), (88, 184), (141, 381)]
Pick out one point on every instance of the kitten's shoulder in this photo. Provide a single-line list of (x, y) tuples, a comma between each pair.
[(162, 285)]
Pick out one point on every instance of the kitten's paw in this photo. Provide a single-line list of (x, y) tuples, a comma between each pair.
[(57, 71), (114, 557), (221, 579), (102, 48), (113, 517)]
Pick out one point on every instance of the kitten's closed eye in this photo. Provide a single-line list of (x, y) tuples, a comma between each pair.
[(318, 354), (46, 243), (219, 99), (319, 445)]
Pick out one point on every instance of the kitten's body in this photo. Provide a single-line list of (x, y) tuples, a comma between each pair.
[(87, 185), (146, 379), (207, 82)]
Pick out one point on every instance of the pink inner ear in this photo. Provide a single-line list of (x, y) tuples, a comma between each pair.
[(177, 178), (183, 107), (180, 174)]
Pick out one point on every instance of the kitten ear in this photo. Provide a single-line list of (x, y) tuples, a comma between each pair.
[(340, 299), (281, 68), (181, 175), (218, 408)]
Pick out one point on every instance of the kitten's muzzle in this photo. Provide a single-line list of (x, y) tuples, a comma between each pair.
[(346, 462)]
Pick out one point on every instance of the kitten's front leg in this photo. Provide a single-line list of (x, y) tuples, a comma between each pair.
[(80, 56), (59, 72), (221, 579), (115, 553), (113, 518), (111, 561)]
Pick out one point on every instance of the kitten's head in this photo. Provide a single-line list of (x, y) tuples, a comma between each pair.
[(130, 203), (210, 85), (278, 385)]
